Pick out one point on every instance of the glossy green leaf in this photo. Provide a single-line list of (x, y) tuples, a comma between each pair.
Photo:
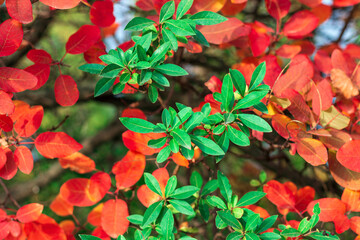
[(163, 155), (170, 37), (180, 27), (157, 143), (290, 232), (183, 7), (153, 93), (184, 192), (170, 186), (225, 187), (215, 201), (267, 223), (182, 138), (88, 237), (137, 125), (174, 146), (135, 219), (182, 206), (255, 122), (250, 198), (138, 24), (207, 146), (238, 80), (257, 76), (251, 99), (152, 213), (111, 71), (196, 179), (171, 70), (208, 18), (152, 183), (237, 137), (109, 59), (167, 11), (229, 219), (270, 236), (92, 68), (160, 53), (167, 224), (227, 93), (252, 222), (103, 85), (210, 187)]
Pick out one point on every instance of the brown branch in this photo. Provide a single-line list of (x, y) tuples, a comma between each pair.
[(8, 195), (347, 22)]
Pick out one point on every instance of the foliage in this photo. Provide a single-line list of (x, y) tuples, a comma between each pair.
[(279, 99)]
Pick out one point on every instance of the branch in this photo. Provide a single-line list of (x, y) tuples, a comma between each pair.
[(347, 22)]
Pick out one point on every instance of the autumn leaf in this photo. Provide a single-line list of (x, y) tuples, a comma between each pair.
[(29, 213), (114, 217), (11, 36)]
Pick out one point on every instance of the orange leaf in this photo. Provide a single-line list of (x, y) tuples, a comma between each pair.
[(323, 12), (298, 108), (137, 142), (231, 8), (313, 151), (60, 4), (8, 170), (300, 24), (343, 84), (355, 224), (56, 144), (24, 159), (280, 195), (11, 36), (7, 107), (336, 139), (352, 200), (310, 3), (180, 160), (114, 217), (303, 197), (29, 213), (345, 3), (349, 155), (331, 208), (29, 121), (78, 162), (284, 127), (225, 32), (16, 80), (129, 170), (288, 51), (133, 113), (209, 5), (61, 207), (94, 216)]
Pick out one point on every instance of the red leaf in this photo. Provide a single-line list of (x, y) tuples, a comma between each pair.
[(273, 69), (259, 38), (148, 197), (284, 127), (279, 194), (29, 213), (300, 24), (39, 56), (11, 35), (323, 61), (66, 91), (331, 208), (114, 217), (296, 77), (2, 162), (56, 144), (345, 3), (7, 106), (24, 159), (278, 8), (349, 155), (101, 13), (29, 122), (83, 39), (133, 113), (313, 151), (61, 207), (16, 80), (85, 192), (342, 61), (61, 4), (321, 96), (6, 124), (310, 3), (78, 162), (100, 233), (298, 108), (288, 51), (8, 171), (41, 72), (323, 12), (137, 142), (225, 32), (94, 52), (355, 224), (303, 197), (145, 5), (342, 223), (129, 170), (20, 10), (94, 217)]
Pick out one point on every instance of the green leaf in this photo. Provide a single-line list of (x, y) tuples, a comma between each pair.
[(194, 121), (167, 224), (207, 146), (225, 187), (170, 37), (251, 236), (153, 93), (125, 78), (111, 71), (261, 107), (238, 80), (135, 219), (267, 223), (200, 38), (237, 137), (220, 224), (118, 88), (270, 236), (141, 53), (208, 18), (142, 65), (250, 99), (290, 232), (188, 154), (250, 198), (137, 125), (174, 146), (171, 70), (167, 11), (252, 222), (180, 27), (184, 192), (152, 183), (166, 117), (185, 113), (157, 143), (121, 237), (210, 187), (234, 236), (182, 206), (183, 7), (163, 155), (196, 179), (109, 59), (322, 236), (170, 186), (215, 201), (88, 237), (204, 210), (160, 79), (258, 76), (182, 138), (152, 213), (160, 53), (145, 76), (145, 41), (304, 226), (229, 219), (103, 85), (255, 122), (92, 68), (138, 24), (187, 238), (227, 93)]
